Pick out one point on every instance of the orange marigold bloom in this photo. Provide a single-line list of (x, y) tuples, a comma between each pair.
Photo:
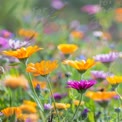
[(28, 33), (113, 80), (118, 15), (42, 68), (76, 102), (82, 65), (67, 48), (77, 34), (101, 95), (16, 81), (61, 106), (28, 108), (42, 84), (22, 52), (11, 111)]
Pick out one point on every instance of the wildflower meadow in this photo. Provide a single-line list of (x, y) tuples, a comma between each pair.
[(61, 61)]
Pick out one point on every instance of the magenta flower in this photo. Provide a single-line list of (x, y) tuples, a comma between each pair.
[(107, 58), (58, 96), (3, 43), (100, 75), (82, 85), (91, 9)]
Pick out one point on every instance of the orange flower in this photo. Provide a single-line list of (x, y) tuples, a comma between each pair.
[(28, 33), (22, 52), (42, 84), (82, 65), (28, 102), (43, 68), (32, 117), (77, 34), (11, 111), (67, 48), (101, 96), (118, 15), (28, 108), (61, 106), (16, 81), (114, 80)]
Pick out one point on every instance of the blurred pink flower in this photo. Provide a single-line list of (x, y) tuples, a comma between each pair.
[(57, 4), (91, 9), (3, 43)]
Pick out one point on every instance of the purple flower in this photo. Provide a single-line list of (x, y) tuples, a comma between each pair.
[(47, 106), (99, 74), (91, 9), (6, 34), (15, 44), (81, 85), (57, 4), (3, 43), (106, 58), (84, 113), (58, 96)]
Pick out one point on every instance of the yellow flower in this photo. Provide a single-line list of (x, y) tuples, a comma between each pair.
[(61, 106), (11, 111), (67, 48), (28, 102), (28, 33), (42, 68), (42, 84), (82, 65), (101, 96), (76, 102), (22, 52), (16, 81), (77, 34), (114, 80)]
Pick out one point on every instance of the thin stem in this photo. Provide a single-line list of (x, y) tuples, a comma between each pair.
[(36, 98), (50, 87), (118, 117), (77, 107)]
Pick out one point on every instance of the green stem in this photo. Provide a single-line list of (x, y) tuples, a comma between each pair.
[(118, 117), (36, 98), (50, 87), (77, 107)]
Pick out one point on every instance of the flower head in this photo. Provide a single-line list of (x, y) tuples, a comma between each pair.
[(61, 106), (76, 102), (100, 75), (81, 86), (114, 80), (22, 53), (82, 65), (48, 106), (77, 34), (118, 15), (6, 34), (3, 43), (42, 68), (91, 9), (106, 58), (58, 96), (67, 48), (11, 111), (41, 84), (16, 44)]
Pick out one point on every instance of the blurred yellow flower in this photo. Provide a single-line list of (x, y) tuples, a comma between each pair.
[(101, 95), (77, 35), (28, 33), (82, 65), (76, 102), (31, 117), (28, 102), (113, 80), (42, 84), (42, 68), (15, 82), (61, 105), (22, 52), (11, 111), (67, 48)]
